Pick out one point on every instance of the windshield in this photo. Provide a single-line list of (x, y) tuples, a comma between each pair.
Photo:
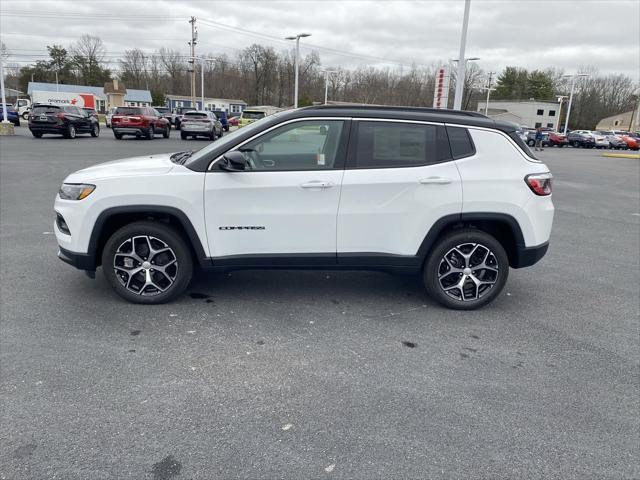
[(230, 138), (253, 115), (162, 109)]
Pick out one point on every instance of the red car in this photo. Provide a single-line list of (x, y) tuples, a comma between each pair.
[(557, 140), (233, 121), (632, 141), (139, 121)]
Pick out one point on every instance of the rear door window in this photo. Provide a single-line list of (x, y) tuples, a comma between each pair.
[(45, 109), (394, 145)]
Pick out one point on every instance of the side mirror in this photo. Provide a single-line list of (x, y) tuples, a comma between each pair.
[(234, 162)]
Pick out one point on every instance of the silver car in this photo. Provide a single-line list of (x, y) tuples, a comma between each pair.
[(200, 123), (615, 141)]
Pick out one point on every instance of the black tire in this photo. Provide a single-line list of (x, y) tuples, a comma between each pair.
[(17, 122), (226, 129), (435, 262), (25, 115), (212, 136), (560, 145), (575, 144), (36, 134), (166, 235), (71, 132), (167, 132), (151, 133), (117, 135), (183, 135), (95, 130), (531, 143)]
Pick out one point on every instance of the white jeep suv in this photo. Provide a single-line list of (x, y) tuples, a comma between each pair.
[(453, 195)]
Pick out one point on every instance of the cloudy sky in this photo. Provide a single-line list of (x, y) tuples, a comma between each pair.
[(566, 34)]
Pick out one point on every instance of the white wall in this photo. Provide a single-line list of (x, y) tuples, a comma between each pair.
[(528, 112)]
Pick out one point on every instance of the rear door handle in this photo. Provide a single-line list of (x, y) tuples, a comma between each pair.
[(435, 181), (317, 184)]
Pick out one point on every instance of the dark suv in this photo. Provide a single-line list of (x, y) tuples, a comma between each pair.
[(65, 120), (578, 138)]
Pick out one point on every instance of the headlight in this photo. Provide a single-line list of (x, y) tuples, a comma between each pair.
[(75, 191)]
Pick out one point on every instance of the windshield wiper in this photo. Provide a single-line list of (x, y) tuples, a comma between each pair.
[(181, 157)]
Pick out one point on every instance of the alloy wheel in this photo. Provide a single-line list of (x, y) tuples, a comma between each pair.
[(145, 265), (468, 272)]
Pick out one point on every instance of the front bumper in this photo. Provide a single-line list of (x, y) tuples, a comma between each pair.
[(81, 261)]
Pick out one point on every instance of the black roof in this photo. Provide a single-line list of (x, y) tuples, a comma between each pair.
[(461, 117)]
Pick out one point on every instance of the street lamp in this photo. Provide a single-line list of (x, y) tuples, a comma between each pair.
[(561, 99), (297, 60), (573, 84), (326, 83), (457, 100)]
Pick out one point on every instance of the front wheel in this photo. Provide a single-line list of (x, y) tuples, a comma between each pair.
[(25, 116), (147, 262), (95, 130), (151, 132), (575, 144), (466, 270), (531, 143), (167, 132)]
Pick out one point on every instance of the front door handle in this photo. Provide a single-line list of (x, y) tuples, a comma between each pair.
[(435, 181), (317, 184)]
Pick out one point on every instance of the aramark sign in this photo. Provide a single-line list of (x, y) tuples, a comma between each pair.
[(62, 98)]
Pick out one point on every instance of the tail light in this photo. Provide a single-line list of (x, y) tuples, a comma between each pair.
[(539, 183)]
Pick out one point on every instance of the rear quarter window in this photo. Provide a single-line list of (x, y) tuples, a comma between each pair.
[(460, 142)]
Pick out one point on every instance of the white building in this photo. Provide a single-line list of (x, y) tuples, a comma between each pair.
[(228, 105), (526, 113)]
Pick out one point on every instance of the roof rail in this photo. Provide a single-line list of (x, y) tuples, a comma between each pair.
[(400, 109)]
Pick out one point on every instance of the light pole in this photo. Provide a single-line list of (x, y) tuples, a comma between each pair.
[(489, 90), (561, 98), (6, 128), (457, 100), (573, 84), (297, 63), (326, 84)]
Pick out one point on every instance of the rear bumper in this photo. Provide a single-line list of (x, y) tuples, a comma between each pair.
[(59, 129), (129, 130), (527, 256)]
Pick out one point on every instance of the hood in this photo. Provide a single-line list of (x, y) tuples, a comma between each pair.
[(157, 164)]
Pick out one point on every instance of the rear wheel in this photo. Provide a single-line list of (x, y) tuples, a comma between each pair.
[(37, 134), (466, 270), (167, 131), (117, 135), (183, 135), (95, 130), (147, 262), (151, 132), (575, 143)]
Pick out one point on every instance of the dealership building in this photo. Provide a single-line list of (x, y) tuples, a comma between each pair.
[(228, 105), (113, 94), (529, 113)]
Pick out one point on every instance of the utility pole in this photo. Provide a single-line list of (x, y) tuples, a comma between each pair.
[(486, 108), (457, 100), (192, 43), (573, 86)]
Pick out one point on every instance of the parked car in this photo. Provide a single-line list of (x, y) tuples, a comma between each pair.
[(531, 138), (581, 138), (601, 140), (92, 112), (631, 140), (140, 122), (178, 114), (250, 115), (65, 120), (165, 112), (109, 115), (200, 123), (12, 114), (222, 116), (615, 141), (234, 121), (557, 139), (284, 193)]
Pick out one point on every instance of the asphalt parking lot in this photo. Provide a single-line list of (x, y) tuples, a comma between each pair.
[(289, 374)]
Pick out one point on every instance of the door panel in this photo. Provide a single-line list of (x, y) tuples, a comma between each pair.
[(286, 202), (400, 180)]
